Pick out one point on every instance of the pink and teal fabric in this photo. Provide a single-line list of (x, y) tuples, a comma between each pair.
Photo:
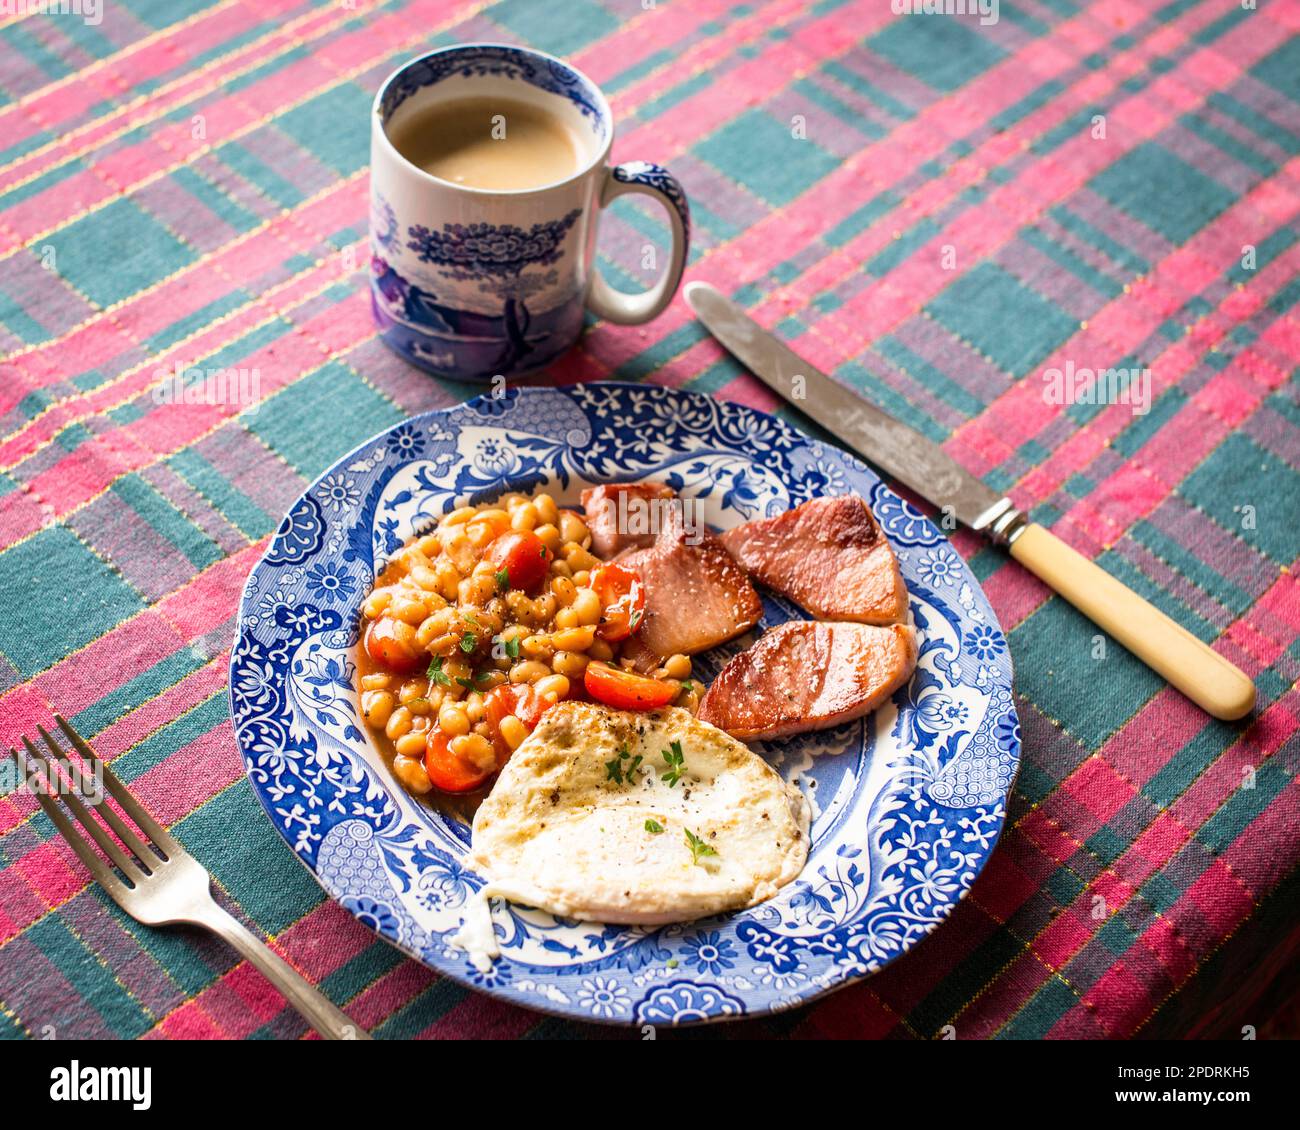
[(936, 211)]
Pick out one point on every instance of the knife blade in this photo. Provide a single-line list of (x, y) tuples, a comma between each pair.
[(874, 434), (1208, 679)]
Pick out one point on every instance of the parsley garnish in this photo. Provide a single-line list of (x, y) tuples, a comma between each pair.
[(699, 849), (676, 764), (622, 774), (503, 578), (653, 827), (635, 619), (688, 685), (437, 674), (468, 642)]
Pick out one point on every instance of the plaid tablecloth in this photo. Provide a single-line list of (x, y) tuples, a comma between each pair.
[(936, 210)]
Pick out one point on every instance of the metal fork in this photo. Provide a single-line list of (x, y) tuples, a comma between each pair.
[(157, 882)]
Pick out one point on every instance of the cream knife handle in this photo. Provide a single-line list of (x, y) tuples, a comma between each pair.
[(1199, 672)]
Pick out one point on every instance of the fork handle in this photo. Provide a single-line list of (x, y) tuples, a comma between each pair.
[(297, 990)]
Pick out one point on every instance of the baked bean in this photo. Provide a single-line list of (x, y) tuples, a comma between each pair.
[(549, 536), (412, 744), (408, 608), (566, 618), (561, 568), (483, 587), (489, 621), (437, 625), (556, 686), (572, 528), (513, 731), (453, 720), (475, 749), (528, 671), (456, 668), (426, 578), (524, 517), (547, 511), (413, 689), (413, 558), (376, 682), (481, 534), (410, 771), (574, 639), (678, 667), (445, 644), (582, 578), (459, 516), (599, 649), (429, 545), (564, 589), (377, 706), (460, 551), (399, 722), (578, 559), (474, 706), (570, 663), (587, 605), (376, 602), (537, 647)]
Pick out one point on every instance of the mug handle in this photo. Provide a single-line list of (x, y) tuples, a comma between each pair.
[(652, 180)]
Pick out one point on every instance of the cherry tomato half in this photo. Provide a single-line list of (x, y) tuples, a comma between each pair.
[(626, 691), (622, 601), (448, 771), (391, 644), (518, 699), (523, 557)]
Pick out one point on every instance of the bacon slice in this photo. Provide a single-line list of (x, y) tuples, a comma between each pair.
[(809, 675), (696, 596), (829, 557), (609, 535)]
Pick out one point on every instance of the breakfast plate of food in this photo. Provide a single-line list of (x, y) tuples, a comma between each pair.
[(624, 703)]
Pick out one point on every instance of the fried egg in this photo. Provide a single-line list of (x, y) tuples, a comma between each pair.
[(637, 819)]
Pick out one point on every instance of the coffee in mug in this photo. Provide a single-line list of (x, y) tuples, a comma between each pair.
[(493, 143), (489, 171)]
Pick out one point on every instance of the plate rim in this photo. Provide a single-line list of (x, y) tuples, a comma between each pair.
[(543, 1005)]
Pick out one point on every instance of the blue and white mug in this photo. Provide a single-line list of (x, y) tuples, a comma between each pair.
[(472, 283)]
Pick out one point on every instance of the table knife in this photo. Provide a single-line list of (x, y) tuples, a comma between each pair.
[(1203, 675)]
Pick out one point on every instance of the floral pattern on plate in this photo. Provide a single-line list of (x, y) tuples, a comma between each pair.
[(908, 802)]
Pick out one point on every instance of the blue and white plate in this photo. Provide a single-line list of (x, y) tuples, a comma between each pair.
[(908, 802)]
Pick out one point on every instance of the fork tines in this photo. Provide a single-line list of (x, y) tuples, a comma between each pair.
[(140, 858)]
